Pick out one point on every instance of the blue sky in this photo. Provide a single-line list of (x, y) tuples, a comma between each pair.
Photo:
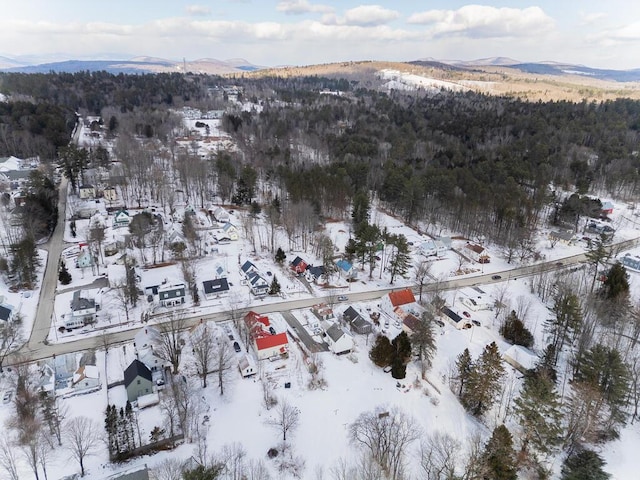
[(602, 34)]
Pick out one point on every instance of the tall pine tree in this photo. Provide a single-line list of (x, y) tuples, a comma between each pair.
[(499, 458), (538, 413), (483, 383)]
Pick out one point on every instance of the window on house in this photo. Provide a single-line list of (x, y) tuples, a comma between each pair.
[(138, 382)]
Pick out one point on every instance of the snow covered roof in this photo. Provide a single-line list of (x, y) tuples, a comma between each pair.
[(517, 355)]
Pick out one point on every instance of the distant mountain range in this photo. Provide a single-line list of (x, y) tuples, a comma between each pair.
[(144, 64), (133, 65), (542, 68)]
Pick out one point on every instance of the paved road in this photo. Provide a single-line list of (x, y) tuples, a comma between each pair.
[(304, 336), (54, 247), (36, 349)]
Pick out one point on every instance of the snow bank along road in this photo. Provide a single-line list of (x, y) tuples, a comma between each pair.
[(37, 350)]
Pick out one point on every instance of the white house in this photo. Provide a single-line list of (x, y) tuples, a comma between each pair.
[(247, 367), (87, 191), (86, 378), (477, 253), (83, 309), (221, 215), (265, 343), (258, 285), (216, 288), (400, 303), (121, 219), (147, 337), (230, 231), (171, 294), (431, 248), (338, 340), (474, 299)]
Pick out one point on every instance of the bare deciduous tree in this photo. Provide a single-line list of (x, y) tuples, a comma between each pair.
[(224, 362), (82, 439), (172, 342), (8, 459), (10, 340), (203, 344), (286, 418), (420, 275), (168, 469), (438, 456), (385, 434)]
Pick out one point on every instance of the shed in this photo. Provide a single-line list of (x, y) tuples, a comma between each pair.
[(520, 358)]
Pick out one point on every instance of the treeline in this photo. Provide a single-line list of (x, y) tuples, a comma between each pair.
[(478, 164), (29, 129), (92, 91)]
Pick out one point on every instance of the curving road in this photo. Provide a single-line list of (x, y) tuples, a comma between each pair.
[(37, 348)]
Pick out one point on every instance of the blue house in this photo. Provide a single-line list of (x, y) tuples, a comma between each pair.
[(631, 261), (346, 269)]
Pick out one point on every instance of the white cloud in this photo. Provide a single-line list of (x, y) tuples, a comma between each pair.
[(198, 10), (481, 21), (369, 15), (592, 18), (615, 36), (299, 7)]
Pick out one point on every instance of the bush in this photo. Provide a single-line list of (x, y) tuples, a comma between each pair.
[(514, 331)]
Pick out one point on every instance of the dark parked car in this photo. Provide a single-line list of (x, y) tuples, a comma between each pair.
[(476, 323), (496, 277), (466, 314), (272, 330), (236, 346)]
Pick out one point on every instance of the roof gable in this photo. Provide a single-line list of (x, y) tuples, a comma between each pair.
[(135, 370)]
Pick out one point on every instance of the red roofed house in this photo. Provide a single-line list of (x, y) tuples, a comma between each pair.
[(298, 265), (265, 343), (399, 303), (477, 253)]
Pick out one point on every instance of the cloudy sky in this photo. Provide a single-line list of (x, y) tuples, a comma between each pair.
[(603, 33)]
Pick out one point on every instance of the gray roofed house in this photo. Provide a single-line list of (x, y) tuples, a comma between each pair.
[(258, 285), (137, 380), (339, 341), (248, 267), (215, 288), (6, 312), (82, 305), (357, 321), (456, 319), (171, 295)]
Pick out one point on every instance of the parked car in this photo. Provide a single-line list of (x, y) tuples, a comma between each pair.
[(439, 322), (466, 314), (342, 298), (272, 330), (236, 346), (476, 323), (8, 395), (387, 369)]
